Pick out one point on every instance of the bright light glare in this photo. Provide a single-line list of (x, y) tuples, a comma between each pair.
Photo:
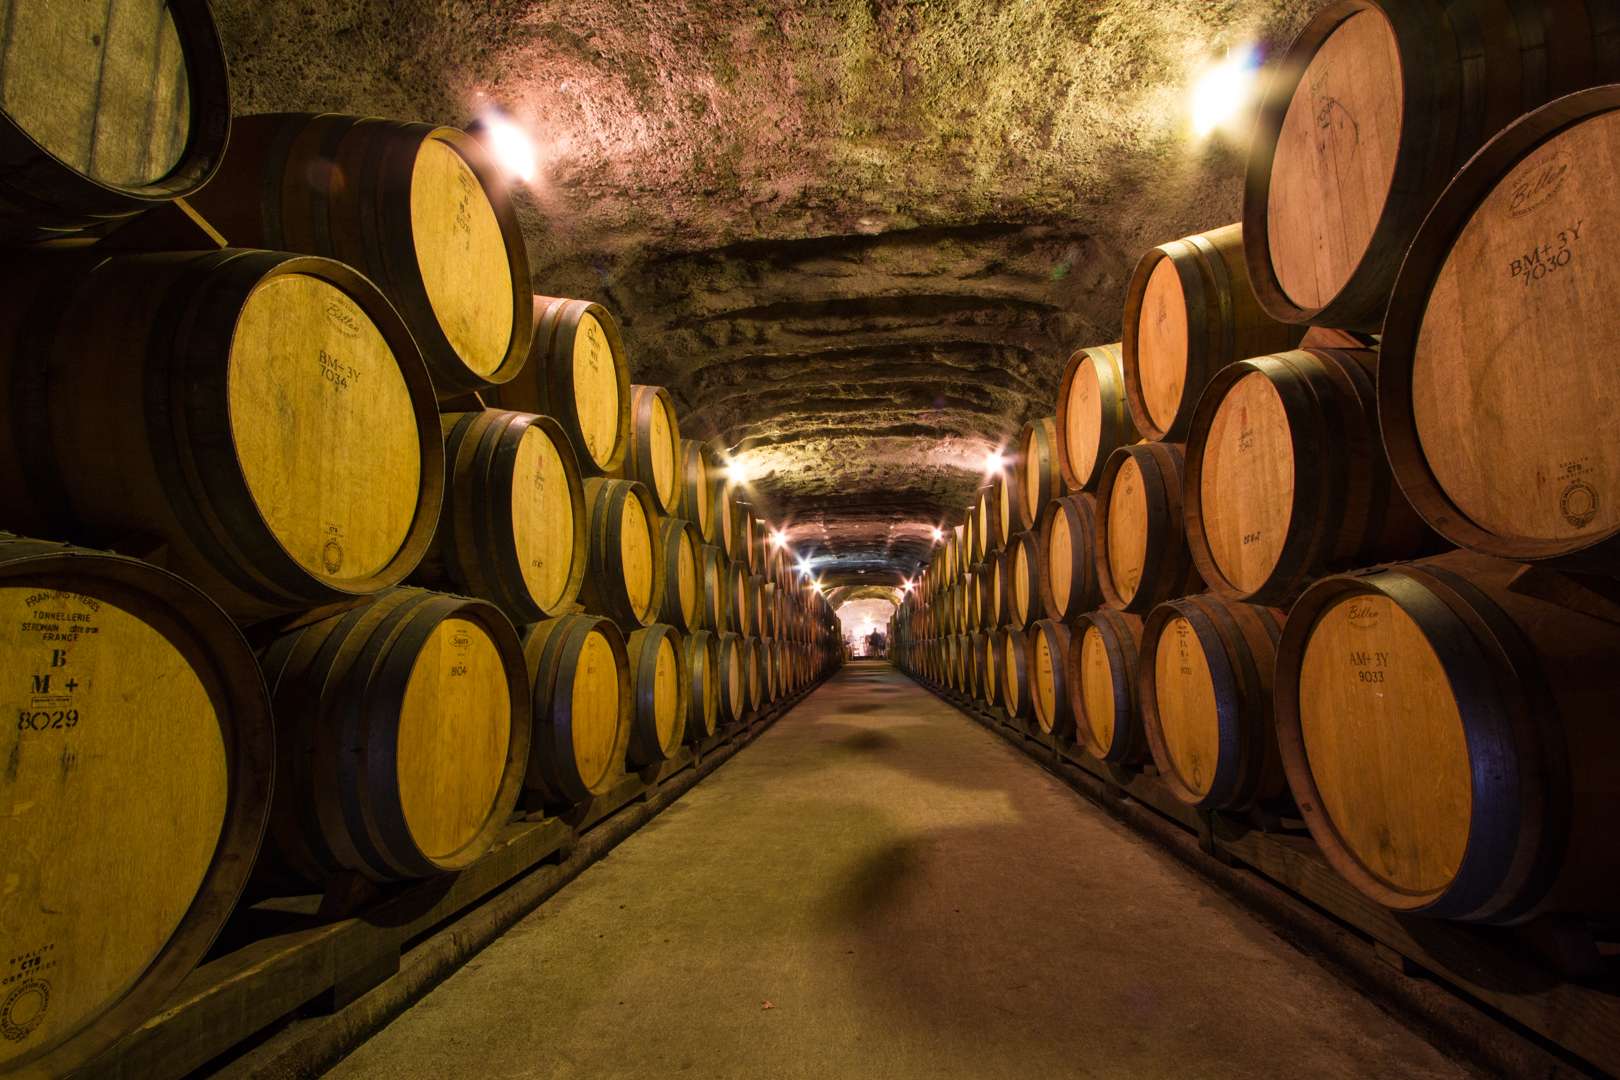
[(994, 462), (910, 585), (779, 538), (512, 147), (939, 534), (1223, 91), (736, 473)]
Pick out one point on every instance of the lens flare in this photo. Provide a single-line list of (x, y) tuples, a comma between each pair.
[(1224, 91)]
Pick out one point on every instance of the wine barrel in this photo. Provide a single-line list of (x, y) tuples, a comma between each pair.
[(625, 580), (513, 527), (583, 707), (1447, 729), (1494, 383), (1038, 478), (1093, 415), (1068, 542), (1016, 700), (1286, 479), (654, 456), (660, 694), (103, 117), (700, 476), (1372, 110), (733, 678), (984, 675), (992, 646), (740, 588), (1024, 566), (402, 732), (578, 375), (760, 604), (700, 655), (994, 602), (681, 604), (1142, 557), (139, 755), (422, 211), (1190, 311), (1048, 678), (736, 523), (755, 652), (1103, 680), (261, 423), (715, 591), (1206, 700)]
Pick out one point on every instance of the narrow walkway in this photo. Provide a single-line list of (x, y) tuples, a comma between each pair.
[(879, 887)]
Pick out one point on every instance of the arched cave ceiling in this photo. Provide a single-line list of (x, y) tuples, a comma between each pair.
[(857, 239)]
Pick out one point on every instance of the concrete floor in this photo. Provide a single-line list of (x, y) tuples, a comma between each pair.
[(879, 887)]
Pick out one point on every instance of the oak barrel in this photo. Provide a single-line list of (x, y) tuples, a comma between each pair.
[(577, 374), (1037, 475), (1190, 311), (714, 572), (402, 733), (1206, 671), (992, 644), (654, 456), (421, 210), (1093, 415), (660, 692), (1048, 678), (513, 527), (625, 579), (1142, 557), (1015, 684), (1496, 380), (700, 652), (1024, 566), (758, 677), (1103, 681), (700, 487), (1448, 731), (583, 707), (1286, 477), (733, 678), (260, 423), (1068, 544), (105, 110), (1368, 115), (138, 744), (994, 601), (681, 604)]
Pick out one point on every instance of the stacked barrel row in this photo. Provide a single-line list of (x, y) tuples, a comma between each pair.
[(1332, 530), (411, 548)]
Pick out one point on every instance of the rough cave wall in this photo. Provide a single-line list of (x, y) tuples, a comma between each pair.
[(857, 239)]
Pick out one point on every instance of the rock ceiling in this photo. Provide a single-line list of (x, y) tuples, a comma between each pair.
[(857, 239)]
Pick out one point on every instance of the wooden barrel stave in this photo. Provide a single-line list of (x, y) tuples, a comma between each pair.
[(77, 154), (514, 524), (1142, 556), (141, 850), (1190, 311), (403, 729), (580, 669), (625, 580), (1048, 678), (654, 455), (660, 692), (1205, 694), (1094, 415), (1486, 681), (420, 210), (1286, 479), (267, 517), (1103, 678), (1069, 585)]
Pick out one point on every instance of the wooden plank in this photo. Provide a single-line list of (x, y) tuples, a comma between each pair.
[(244, 991), (1482, 963), (1493, 966)]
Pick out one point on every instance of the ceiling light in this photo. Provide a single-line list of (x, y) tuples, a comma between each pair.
[(510, 145), (994, 463), (1224, 91)]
